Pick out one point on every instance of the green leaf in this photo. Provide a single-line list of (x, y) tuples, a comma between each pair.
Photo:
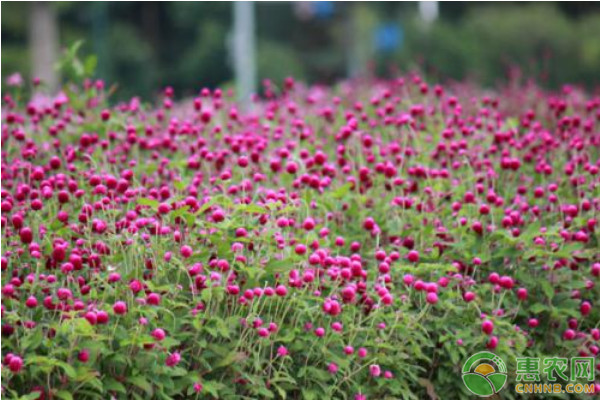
[(31, 396), (341, 191), (309, 394), (568, 250), (89, 65), (177, 371), (223, 201), (63, 394), (212, 387), (112, 384), (180, 212), (206, 295), (547, 289), (278, 266), (537, 308), (141, 383), (179, 185), (79, 326), (281, 391), (232, 357), (265, 393), (34, 340), (532, 230), (69, 370), (428, 268), (148, 202), (250, 208)]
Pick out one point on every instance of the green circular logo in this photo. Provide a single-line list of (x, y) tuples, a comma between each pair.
[(484, 374)]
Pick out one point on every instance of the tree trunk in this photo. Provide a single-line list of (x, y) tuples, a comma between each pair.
[(43, 31)]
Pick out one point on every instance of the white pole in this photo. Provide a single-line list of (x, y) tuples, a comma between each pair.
[(43, 32), (429, 11), (244, 51)]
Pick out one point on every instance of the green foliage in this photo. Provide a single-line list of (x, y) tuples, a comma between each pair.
[(423, 344), (73, 68), (488, 41), (270, 58), (148, 46)]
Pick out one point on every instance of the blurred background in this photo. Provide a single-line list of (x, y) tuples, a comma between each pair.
[(145, 46)]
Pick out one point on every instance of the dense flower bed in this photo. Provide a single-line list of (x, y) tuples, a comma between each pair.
[(351, 242)]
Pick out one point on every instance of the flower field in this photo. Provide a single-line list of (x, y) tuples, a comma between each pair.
[(351, 242)]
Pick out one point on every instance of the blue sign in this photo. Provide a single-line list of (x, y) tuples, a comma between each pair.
[(388, 37), (323, 9)]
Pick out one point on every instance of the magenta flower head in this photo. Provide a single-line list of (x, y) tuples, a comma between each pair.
[(487, 327), (114, 277), (15, 364), (83, 355), (362, 352), (31, 302), (282, 351), (15, 80), (186, 251), (492, 343), (102, 316), (469, 296), (263, 332), (153, 299), (413, 256), (120, 308), (281, 290), (432, 298), (135, 286), (374, 370), (158, 334), (332, 368), (173, 359)]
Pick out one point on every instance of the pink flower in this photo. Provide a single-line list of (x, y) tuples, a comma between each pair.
[(15, 80), (432, 298), (281, 290), (135, 286), (114, 277), (282, 351), (413, 256), (487, 327), (333, 368), (120, 308), (173, 359), (362, 352), (186, 251), (263, 332), (158, 334), (197, 387), (15, 364), (83, 355), (153, 299), (374, 370)]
